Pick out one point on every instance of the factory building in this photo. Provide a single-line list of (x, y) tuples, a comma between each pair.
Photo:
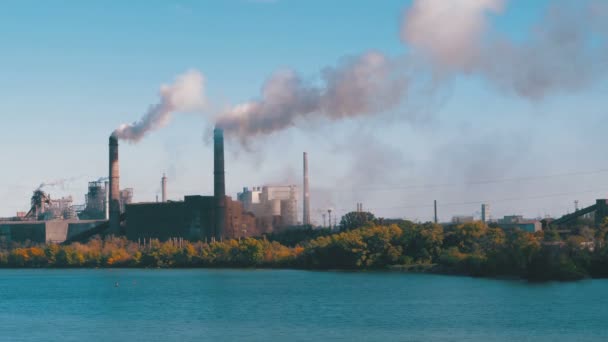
[(193, 218), (519, 222), (196, 217), (460, 219), (55, 231), (275, 207), (485, 213)]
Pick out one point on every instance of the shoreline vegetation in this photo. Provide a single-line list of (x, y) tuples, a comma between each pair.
[(471, 249)]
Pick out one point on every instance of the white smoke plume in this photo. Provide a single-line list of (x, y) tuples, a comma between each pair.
[(369, 83), (185, 94), (564, 51), (448, 32)]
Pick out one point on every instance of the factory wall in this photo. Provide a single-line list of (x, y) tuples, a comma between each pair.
[(193, 218), (56, 231), (156, 220)]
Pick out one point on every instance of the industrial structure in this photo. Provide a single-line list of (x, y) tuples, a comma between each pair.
[(163, 186), (598, 211), (519, 222), (485, 213), (274, 207), (114, 191), (306, 193), (196, 217), (96, 201)]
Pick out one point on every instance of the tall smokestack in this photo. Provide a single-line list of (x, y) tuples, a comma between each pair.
[(219, 182), (306, 213), (435, 205), (163, 184), (114, 186)]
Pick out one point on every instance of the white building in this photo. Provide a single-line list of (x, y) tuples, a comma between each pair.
[(485, 213), (273, 206)]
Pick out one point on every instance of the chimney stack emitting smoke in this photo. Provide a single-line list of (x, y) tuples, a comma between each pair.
[(114, 197), (185, 94), (306, 200), (219, 184), (163, 184)]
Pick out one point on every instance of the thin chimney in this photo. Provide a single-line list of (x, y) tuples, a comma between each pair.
[(306, 211), (164, 188)]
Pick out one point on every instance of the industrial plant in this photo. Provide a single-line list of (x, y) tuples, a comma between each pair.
[(108, 209), (257, 210)]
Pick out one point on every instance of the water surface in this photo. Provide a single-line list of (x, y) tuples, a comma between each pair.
[(285, 305)]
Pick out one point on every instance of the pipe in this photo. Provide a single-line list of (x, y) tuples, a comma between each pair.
[(106, 200), (306, 209), (114, 216), (219, 184)]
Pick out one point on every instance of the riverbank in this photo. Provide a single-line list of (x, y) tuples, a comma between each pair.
[(472, 249)]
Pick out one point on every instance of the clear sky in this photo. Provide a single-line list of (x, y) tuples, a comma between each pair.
[(72, 71)]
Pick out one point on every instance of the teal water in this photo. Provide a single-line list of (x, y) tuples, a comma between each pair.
[(275, 305)]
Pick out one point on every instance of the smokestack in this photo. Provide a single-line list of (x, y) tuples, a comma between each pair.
[(114, 186), (163, 184), (219, 182), (435, 211), (306, 212)]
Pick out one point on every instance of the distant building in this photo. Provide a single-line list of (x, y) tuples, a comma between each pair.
[(126, 197), (510, 219), (96, 201), (518, 222), (485, 213), (274, 207), (462, 219)]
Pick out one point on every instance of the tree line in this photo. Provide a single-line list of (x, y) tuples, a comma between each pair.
[(474, 249)]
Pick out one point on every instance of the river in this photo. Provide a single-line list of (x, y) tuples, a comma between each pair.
[(286, 305)]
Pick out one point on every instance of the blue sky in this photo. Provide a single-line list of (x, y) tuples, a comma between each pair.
[(72, 71)]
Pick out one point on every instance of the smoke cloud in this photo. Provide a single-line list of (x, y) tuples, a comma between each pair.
[(369, 83), (62, 183), (564, 51), (185, 94), (448, 32)]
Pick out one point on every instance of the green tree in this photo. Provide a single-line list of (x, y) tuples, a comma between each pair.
[(356, 219)]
